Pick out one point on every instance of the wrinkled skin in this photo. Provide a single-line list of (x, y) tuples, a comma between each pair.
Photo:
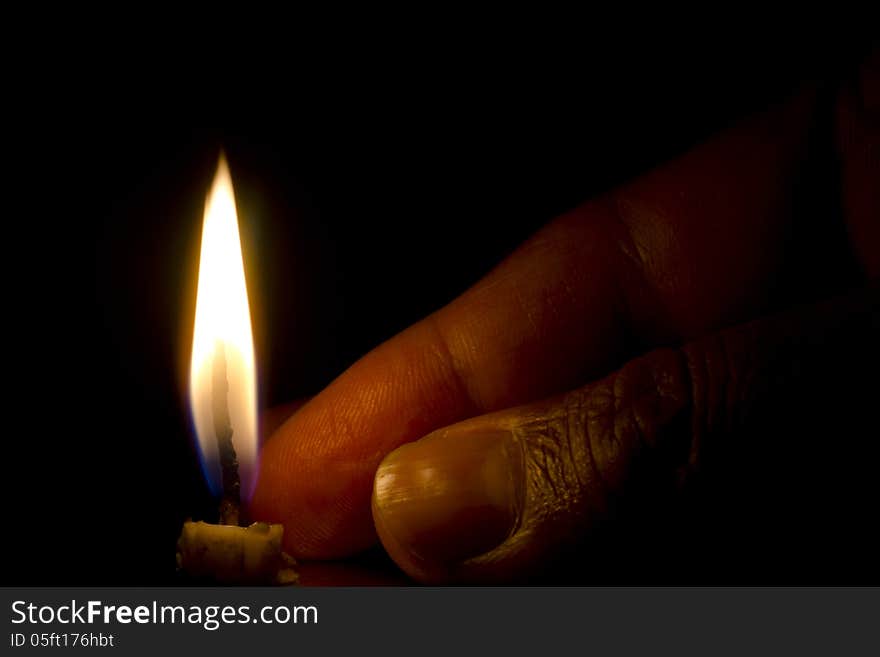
[(704, 258)]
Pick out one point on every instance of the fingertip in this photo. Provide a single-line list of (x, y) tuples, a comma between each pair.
[(453, 496), (407, 561), (314, 498)]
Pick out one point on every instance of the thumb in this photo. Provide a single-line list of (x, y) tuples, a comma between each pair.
[(499, 496)]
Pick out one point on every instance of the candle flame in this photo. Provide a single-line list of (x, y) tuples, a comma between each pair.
[(223, 330)]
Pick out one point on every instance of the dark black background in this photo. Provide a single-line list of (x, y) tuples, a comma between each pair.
[(372, 186)]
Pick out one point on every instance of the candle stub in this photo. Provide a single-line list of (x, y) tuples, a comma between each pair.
[(235, 555)]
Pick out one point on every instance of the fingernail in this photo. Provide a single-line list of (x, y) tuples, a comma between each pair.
[(451, 495)]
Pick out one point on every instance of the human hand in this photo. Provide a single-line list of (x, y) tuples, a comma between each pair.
[(496, 483)]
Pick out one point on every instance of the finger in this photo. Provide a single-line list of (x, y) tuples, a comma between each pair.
[(685, 249), (274, 417), (500, 496)]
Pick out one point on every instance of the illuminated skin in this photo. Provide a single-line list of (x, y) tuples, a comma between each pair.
[(669, 259)]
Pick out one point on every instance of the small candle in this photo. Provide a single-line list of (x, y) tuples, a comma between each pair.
[(223, 400)]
